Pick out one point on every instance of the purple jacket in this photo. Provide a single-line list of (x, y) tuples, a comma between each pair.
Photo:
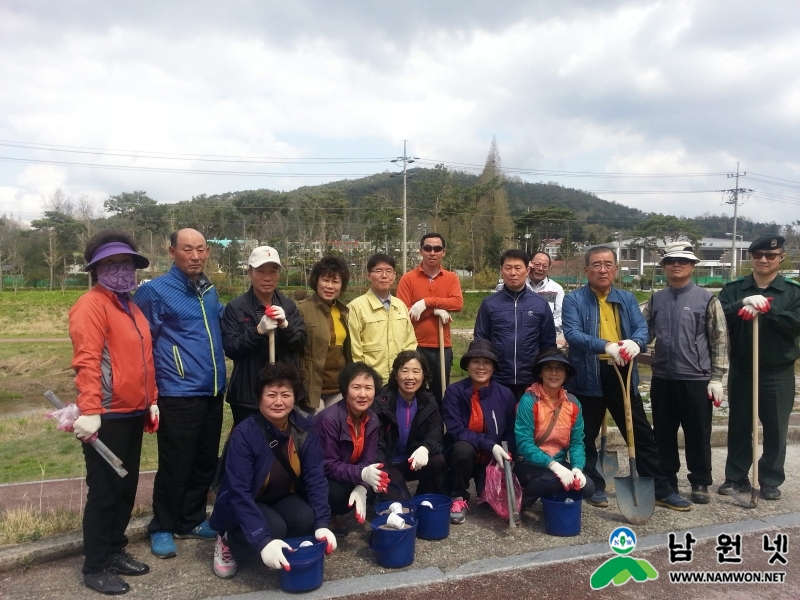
[(498, 405), (248, 461), (337, 445)]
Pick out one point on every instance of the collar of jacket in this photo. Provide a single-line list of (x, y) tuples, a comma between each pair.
[(203, 282), (681, 290), (614, 294), (388, 401), (778, 283), (368, 419), (325, 307), (297, 422), (113, 295), (374, 302), (520, 293), (278, 299)]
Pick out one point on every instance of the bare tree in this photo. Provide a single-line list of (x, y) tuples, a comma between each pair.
[(87, 213)]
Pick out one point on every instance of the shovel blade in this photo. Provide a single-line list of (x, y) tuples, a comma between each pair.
[(636, 498), (608, 465)]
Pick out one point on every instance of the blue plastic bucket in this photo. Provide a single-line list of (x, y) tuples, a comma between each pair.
[(307, 565), (434, 523), (562, 518), (382, 508), (394, 548)]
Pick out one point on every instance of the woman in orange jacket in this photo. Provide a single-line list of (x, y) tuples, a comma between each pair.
[(113, 362)]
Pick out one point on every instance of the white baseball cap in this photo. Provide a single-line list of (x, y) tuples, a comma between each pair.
[(263, 255)]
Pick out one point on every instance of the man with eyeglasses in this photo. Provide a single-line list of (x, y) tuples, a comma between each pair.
[(378, 322), (431, 293), (766, 295), (603, 327), (539, 283), (517, 322), (689, 365)]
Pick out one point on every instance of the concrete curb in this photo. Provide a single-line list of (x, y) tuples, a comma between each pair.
[(416, 577)]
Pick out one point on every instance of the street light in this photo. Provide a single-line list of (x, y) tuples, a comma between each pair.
[(734, 252)]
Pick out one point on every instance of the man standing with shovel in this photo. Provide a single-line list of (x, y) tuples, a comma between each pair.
[(604, 327), (764, 292), (689, 365)]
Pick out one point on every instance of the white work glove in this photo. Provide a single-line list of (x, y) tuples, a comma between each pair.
[(715, 392), (500, 454), (265, 325), (443, 315), (563, 473), (578, 479), (375, 478), (151, 422), (272, 555), (278, 314), (629, 349), (757, 301), (416, 310), (86, 426), (359, 497), (614, 350), (418, 458), (323, 533)]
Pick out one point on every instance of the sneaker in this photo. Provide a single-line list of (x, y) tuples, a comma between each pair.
[(458, 510), (163, 545), (224, 564), (770, 492), (740, 487), (675, 502), (598, 499), (201, 532), (700, 494), (124, 564), (106, 582)]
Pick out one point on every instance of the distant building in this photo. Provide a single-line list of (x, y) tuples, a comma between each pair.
[(715, 255)]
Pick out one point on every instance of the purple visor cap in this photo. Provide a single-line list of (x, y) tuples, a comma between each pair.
[(113, 248)]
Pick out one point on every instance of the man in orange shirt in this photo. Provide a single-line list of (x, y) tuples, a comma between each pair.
[(431, 293)]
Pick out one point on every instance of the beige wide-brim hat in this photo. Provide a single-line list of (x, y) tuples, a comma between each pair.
[(679, 250)]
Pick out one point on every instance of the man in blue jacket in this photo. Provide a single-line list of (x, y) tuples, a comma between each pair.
[(184, 313), (604, 324), (518, 322)]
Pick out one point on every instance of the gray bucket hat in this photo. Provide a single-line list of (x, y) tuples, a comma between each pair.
[(479, 349)]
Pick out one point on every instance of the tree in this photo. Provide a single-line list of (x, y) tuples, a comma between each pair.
[(324, 211), (62, 241), (381, 221), (432, 193), (663, 229), (257, 206), (549, 221), (139, 210)]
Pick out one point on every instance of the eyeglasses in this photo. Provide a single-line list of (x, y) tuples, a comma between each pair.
[(768, 255), (539, 265), (677, 261), (428, 248), (379, 272), (608, 265)]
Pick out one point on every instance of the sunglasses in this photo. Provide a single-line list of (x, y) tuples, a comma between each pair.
[(768, 255), (429, 248), (677, 261)]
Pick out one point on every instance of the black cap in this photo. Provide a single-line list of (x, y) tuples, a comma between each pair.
[(767, 242), (552, 355)]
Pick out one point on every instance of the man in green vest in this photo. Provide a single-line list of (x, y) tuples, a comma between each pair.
[(775, 301)]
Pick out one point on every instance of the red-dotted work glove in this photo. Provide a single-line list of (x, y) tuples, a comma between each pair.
[(278, 314), (151, 422)]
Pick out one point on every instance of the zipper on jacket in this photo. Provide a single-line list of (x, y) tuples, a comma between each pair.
[(515, 334), (210, 338), (176, 355), (496, 429), (144, 362)]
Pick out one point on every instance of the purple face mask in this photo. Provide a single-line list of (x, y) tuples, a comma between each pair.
[(117, 277)]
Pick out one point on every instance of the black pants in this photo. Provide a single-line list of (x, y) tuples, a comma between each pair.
[(432, 356), (538, 481), (594, 410), (287, 518), (775, 400), (461, 467), (429, 478), (339, 495), (188, 445), (682, 403), (109, 502), (240, 413)]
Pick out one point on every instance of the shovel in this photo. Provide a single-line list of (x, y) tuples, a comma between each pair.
[(271, 336), (636, 496), (752, 501), (607, 461), (442, 370)]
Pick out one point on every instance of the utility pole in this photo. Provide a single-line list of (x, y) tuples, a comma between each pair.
[(734, 199), (407, 160)]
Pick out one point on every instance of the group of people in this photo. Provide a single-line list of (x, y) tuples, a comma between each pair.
[(337, 405)]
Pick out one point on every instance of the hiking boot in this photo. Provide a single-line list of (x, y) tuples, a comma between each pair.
[(700, 494), (124, 564), (770, 492), (338, 528), (458, 511), (598, 499), (106, 582), (201, 532), (741, 488), (162, 544), (224, 563), (675, 502)]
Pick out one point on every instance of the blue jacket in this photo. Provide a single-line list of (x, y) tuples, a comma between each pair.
[(497, 403), (580, 318), (519, 325), (187, 339), (248, 461)]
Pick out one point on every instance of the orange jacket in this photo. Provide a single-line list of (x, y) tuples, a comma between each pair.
[(112, 355), (443, 291)]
